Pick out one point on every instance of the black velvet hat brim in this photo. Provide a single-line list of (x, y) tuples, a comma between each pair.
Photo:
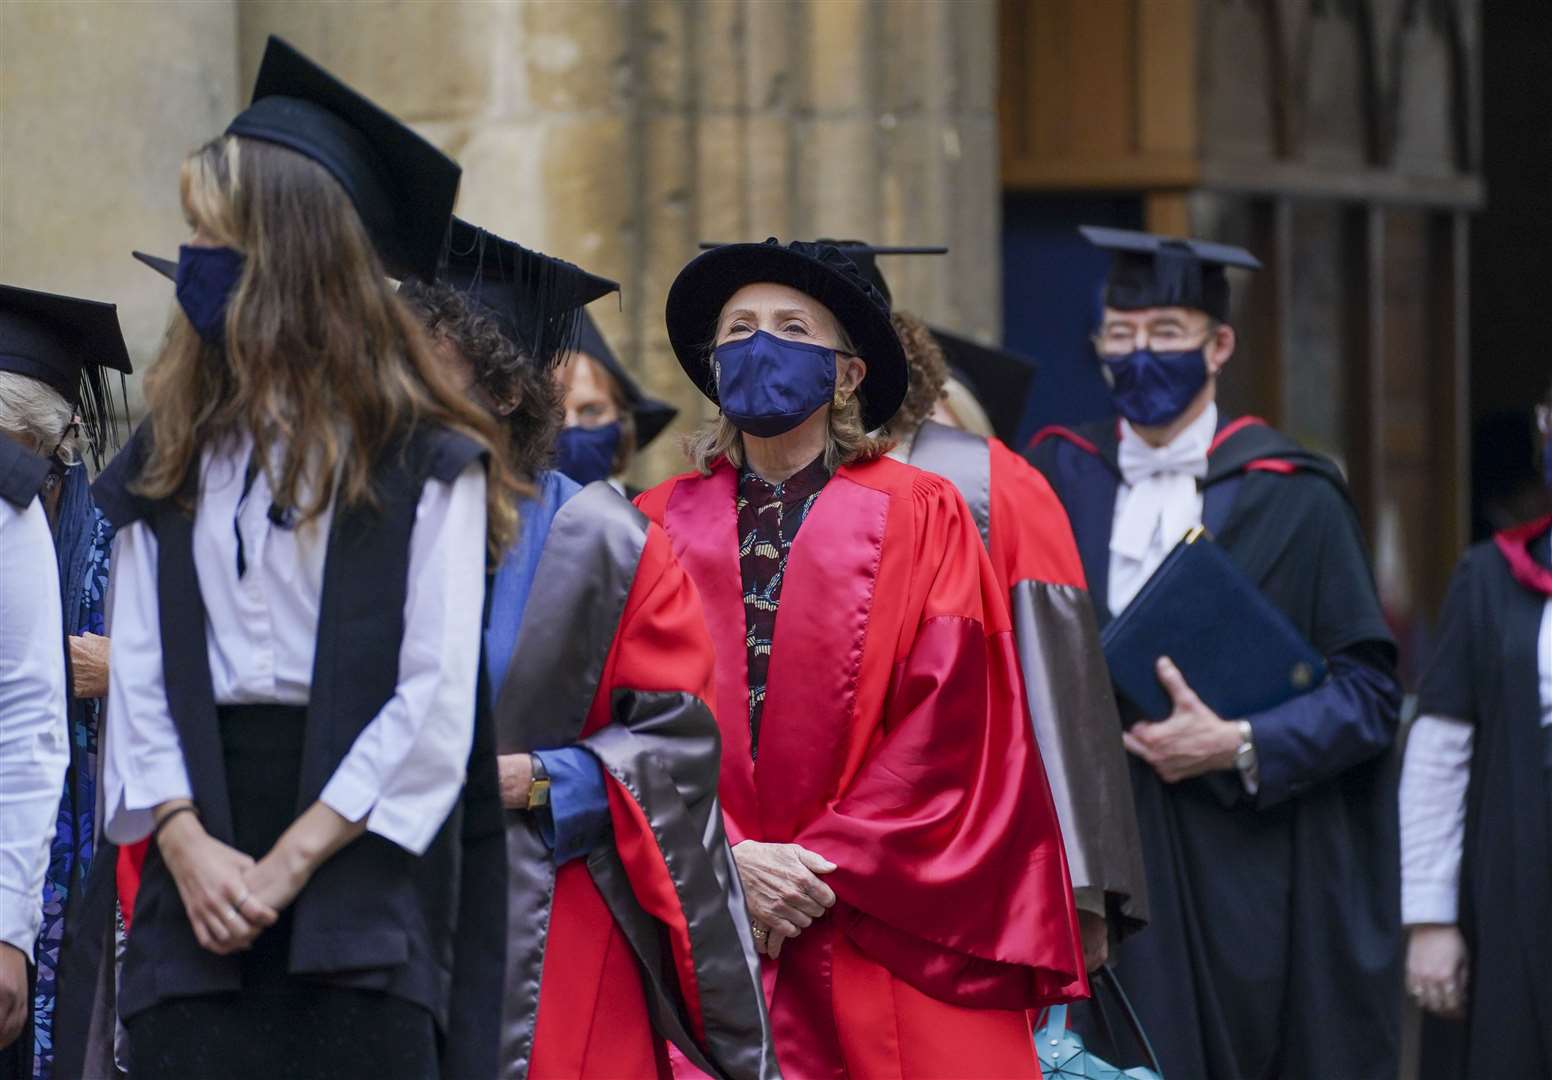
[(698, 294)]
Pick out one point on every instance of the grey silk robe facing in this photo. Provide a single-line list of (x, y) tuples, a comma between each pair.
[(1067, 686), (612, 655)]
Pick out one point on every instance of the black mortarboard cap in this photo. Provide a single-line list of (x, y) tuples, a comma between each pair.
[(865, 256), (822, 271), (168, 268), (651, 415), (1162, 271), (537, 298), (402, 186), (66, 342), (999, 379)]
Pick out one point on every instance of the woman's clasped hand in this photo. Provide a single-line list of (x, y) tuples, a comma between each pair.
[(782, 889), (212, 880)]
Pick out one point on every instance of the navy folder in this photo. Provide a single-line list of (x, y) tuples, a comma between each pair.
[(1236, 650)]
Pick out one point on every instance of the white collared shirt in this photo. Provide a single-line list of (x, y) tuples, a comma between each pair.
[(405, 769), (1158, 501), (34, 738)]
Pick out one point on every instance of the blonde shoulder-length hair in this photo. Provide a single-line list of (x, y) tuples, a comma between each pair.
[(847, 441), (323, 365)]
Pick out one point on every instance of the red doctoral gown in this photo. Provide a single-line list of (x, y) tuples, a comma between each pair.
[(894, 743), (1066, 680)]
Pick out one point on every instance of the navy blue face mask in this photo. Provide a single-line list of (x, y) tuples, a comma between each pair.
[(587, 453), (1152, 388), (206, 279), (768, 385)]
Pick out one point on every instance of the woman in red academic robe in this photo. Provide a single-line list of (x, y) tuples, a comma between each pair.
[(891, 822)]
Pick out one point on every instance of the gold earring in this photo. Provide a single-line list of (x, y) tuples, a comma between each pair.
[(840, 400)]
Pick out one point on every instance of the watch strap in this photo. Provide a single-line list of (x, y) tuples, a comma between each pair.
[(539, 786)]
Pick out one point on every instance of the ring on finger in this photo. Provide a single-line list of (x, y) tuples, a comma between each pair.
[(761, 934)]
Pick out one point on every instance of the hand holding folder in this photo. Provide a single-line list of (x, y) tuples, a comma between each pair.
[(1237, 651)]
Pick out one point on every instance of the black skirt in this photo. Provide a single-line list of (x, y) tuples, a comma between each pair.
[(278, 1025)]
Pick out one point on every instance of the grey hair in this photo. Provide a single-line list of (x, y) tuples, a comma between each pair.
[(34, 410)]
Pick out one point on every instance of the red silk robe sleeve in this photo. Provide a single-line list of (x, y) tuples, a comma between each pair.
[(1031, 538), (949, 857)]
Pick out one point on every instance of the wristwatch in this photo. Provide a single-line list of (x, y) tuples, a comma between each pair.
[(539, 786), (1245, 757)]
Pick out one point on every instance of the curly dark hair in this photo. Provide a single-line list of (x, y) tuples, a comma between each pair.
[(928, 372), (501, 370)]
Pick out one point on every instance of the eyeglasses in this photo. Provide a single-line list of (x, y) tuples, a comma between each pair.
[(73, 428), (1122, 338)]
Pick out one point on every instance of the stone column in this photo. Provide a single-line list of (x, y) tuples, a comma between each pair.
[(873, 119), (99, 104), (534, 99)]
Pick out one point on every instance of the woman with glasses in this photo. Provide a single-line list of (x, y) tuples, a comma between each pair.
[(1476, 812)]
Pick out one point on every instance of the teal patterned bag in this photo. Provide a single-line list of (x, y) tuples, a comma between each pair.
[(1062, 1054)]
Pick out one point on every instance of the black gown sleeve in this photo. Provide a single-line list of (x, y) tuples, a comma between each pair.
[(1353, 716), (1349, 719), (473, 1039), (1447, 688)]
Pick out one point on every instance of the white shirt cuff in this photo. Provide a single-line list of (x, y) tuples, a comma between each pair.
[(1430, 902), (352, 791), (130, 818), (20, 917)]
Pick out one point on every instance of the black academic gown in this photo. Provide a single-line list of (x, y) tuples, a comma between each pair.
[(1485, 670), (1274, 949)]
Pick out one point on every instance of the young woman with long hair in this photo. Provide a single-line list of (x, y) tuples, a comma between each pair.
[(304, 520)]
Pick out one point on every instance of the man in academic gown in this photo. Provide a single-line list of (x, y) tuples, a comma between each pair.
[(1067, 692), (1270, 843), (1476, 813), (33, 744), (626, 923)]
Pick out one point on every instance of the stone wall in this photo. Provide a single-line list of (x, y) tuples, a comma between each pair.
[(99, 103), (616, 133)]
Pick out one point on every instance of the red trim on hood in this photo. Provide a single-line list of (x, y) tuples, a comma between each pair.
[(1272, 465), (1514, 545), (1056, 431), (1229, 430)]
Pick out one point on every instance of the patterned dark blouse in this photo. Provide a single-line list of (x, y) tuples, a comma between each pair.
[(769, 517)]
